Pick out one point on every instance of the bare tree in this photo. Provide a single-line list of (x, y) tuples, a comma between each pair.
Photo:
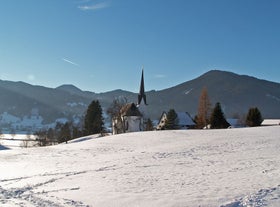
[(204, 110), (13, 133), (114, 111), (27, 141), (1, 135), (24, 143), (41, 137)]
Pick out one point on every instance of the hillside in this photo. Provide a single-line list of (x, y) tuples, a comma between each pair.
[(236, 93), (230, 167)]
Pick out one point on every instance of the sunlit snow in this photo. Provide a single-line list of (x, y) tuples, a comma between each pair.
[(231, 167)]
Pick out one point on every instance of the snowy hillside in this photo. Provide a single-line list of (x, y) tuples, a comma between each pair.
[(232, 167)]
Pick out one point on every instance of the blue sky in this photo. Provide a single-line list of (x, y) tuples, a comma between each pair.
[(102, 45)]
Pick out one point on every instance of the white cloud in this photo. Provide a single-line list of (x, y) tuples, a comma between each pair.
[(97, 6), (160, 76), (70, 62), (82, 1)]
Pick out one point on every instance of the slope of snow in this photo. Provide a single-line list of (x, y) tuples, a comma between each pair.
[(232, 168)]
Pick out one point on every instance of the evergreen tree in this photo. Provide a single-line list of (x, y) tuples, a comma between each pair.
[(172, 120), (93, 120), (254, 117), (204, 107), (217, 119)]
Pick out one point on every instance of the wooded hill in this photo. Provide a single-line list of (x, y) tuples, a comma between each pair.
[(236, 93)]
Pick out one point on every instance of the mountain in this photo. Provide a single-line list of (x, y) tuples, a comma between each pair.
[(25, 107), (70, 89), (236, 93)]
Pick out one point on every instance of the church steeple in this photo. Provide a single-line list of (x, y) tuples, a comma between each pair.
[(142, 94)]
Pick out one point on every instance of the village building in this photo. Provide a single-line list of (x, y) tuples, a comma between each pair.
[(235, 123), (131, 117), (184, 121), (130, 120)]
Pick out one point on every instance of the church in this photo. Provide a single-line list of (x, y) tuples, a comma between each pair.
[(131, 114)]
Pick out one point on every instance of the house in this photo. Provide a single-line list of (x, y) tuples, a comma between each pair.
[(130, 118), (162, 121), (235, 123), (184, 121)]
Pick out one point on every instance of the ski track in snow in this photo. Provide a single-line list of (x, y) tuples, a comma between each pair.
[(264, 197), (27, 196), (227, 168)]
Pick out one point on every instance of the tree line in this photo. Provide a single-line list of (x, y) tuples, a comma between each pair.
[(64, 132), (206, 117), (213, 118), (93, 124)]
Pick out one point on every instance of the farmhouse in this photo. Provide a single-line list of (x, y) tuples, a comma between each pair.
[(184, 121)]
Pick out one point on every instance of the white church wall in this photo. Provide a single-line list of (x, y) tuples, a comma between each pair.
[(133, 123)]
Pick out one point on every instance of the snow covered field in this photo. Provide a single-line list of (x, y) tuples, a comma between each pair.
[(232, 167), (16, 141)]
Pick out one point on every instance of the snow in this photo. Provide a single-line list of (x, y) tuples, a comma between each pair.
[(229, 167), (188, 91), (31, 122), (16, 141), (184, 119), (273, 97), (270, 122), (8, 118), (74, 104)]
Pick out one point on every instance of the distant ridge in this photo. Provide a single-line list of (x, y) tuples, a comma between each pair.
[(70, 89), (236, 93)]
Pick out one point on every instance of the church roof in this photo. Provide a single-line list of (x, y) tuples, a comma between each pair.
[(130, 109), (142, 94)]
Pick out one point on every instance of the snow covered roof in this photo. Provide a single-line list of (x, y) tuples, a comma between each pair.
[(233, 122), (271, 122), (184, 119)]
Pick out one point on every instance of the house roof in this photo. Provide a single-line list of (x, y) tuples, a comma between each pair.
[(271, 122), (130, 109), (184, 119), (233, 122)]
